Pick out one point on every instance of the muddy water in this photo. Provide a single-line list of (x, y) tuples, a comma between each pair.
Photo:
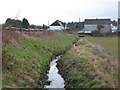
[(56, 81)]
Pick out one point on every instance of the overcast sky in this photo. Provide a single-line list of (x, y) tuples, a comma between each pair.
[(41, 11)]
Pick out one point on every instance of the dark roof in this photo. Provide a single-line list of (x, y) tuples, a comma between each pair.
[(97, 21), (58, 23), (63, 23), (114, 23)]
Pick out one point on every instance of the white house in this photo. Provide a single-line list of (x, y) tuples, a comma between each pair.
[(58, 25), (92, 24), (114, 27)]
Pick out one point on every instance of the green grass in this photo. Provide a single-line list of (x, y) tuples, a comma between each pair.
[(77, 74), (109, 43), (25, 66), (82, 69)]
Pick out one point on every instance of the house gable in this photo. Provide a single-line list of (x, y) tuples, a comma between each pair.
[(114, 23), (56, 23)]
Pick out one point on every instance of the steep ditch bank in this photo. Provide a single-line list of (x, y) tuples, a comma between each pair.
[(26, 65), (88, 66), (55, 79)]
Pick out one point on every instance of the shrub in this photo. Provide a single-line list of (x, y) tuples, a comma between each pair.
[(96, 33)]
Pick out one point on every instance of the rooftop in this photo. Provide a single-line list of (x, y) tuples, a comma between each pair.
[(97, 21), (58, 23)]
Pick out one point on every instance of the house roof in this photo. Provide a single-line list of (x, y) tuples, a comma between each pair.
[(97, 21), (114, 23), (58, 23)]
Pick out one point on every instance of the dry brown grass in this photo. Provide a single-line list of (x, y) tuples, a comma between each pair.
[(92, 63), (14, 37), (47, 33), (104, 64), (11, 37), (25, 62)]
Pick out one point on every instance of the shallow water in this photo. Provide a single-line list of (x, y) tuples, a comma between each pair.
[(56, 81)]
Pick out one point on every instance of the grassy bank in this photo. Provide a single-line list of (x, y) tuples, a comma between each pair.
[(88, 66), (109, 43), (26, 65)]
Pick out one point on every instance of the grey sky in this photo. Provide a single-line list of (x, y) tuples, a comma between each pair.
[(41, 11)]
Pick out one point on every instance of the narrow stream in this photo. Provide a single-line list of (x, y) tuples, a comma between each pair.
[(56, 81)]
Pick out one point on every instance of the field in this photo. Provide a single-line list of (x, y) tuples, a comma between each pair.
[(26, 59), (109, 43)]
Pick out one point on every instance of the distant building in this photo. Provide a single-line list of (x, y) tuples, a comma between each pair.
[(114, 27), (58, 25), (119, 24), (92, 24)]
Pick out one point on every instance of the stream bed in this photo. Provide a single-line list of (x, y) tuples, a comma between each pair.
[(56, 81)]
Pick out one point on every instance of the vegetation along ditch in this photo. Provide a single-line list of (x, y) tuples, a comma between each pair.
[(26, 62), (88, 65), (27, 58), (55, 79)]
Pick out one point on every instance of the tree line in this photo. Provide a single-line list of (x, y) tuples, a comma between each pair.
[(22, 24), (75, 25)]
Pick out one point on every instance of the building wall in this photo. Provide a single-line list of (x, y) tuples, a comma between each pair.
[(107, 28), (56, 28), (114, 28), (90, 27), (94, 27)]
